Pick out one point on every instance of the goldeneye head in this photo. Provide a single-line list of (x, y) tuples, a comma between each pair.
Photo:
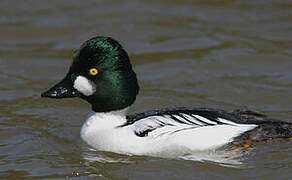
[(101, 74)]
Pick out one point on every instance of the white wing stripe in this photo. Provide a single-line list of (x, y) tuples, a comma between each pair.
[(178, 122), (227, 122), (204, 119), (181, 119), (190, 118)]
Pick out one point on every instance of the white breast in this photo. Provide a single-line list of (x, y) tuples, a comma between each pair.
[(101, 132)]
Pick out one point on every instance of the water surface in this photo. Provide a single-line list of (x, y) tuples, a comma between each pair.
[(220, 54)]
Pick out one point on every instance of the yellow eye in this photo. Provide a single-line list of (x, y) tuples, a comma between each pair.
[(93, 71)]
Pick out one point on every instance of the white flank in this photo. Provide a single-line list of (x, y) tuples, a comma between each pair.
[(83, 85), (166, 137)]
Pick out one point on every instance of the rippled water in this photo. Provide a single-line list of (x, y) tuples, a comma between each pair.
[(221, 54)]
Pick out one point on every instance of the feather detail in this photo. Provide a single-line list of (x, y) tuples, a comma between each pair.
[(179, 122)]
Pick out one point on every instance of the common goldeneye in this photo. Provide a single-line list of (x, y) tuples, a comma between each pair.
[(102, 75)]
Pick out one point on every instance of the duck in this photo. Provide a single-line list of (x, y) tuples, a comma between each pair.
[(102, 75)]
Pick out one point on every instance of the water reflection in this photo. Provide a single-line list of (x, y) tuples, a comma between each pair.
[(218, 157)]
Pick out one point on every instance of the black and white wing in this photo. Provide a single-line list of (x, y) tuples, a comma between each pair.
[(177, 120)]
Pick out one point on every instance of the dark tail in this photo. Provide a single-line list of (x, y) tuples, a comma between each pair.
[(267, 128)]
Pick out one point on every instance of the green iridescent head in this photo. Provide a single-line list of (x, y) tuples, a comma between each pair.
[(101, 74)]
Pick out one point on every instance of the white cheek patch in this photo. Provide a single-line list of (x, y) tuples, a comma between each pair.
[(85, 86)]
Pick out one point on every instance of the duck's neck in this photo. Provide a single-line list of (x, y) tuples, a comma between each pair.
[(107, 119)]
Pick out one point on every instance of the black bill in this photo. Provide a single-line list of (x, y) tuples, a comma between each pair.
[(63, 89)]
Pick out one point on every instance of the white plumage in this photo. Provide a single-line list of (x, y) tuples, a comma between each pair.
[(83, 85), (158, 134)]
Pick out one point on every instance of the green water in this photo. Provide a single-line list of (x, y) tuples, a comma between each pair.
[(219, 54)]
